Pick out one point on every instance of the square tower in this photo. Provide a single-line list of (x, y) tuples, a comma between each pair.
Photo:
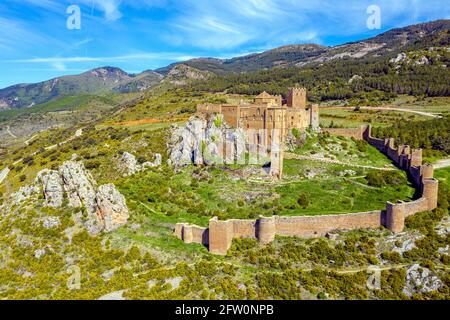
[(296, 98)]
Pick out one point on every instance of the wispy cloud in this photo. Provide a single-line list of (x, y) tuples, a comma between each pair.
[(110, 8), (128, 57), (15, 35)]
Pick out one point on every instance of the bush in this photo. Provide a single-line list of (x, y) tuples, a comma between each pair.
[(380, 179), (303, 200)]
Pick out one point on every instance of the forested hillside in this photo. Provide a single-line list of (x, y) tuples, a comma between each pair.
[(432, 136), (368, 79)]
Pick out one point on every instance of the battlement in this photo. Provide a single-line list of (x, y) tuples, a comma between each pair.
[(296, 98)]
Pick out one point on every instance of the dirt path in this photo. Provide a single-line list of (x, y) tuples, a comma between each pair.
[(421, 113), (302, 157), (441, 164), (3, 174), (8, 130), (77, 134)]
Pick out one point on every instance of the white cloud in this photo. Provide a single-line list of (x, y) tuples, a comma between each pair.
[(110, 8), (54, 61), (59, 66)]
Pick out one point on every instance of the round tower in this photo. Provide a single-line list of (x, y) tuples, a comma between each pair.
[(395, 217), (416, 158), (427, 171), (267, 230), (430, 192)]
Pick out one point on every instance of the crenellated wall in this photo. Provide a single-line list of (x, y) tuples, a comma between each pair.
[(220, 234)]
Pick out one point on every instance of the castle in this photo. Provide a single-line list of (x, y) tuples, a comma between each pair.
[(268, 112), (219, 235), (268, 120)]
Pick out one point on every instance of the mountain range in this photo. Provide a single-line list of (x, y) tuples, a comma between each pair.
[(111, 79)]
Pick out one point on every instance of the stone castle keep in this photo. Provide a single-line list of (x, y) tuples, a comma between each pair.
[(220, 234)]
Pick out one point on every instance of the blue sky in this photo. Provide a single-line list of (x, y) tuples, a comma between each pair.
[(137, 35)]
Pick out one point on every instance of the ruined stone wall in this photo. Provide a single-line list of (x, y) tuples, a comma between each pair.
[(314, 117), (209, 108), (192, 233), (231, 115)]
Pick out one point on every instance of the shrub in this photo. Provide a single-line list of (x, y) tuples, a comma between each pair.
[(303, 200)]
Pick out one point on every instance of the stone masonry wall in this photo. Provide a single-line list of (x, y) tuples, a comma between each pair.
[(220, 234)]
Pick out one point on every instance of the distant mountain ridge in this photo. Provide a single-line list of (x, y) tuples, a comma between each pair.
[(111, 79)]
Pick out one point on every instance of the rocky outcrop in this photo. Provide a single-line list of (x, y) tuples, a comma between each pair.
[(24, 194), (129, 164), (420, 280), (103, 208), (52, 187), (112, 207), (202, 142)]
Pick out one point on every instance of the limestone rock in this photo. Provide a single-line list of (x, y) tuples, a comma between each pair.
[(422, 61), (24, 193), (112, 207), (102, 209), (39, 253), (129, 164), (79, 185), (158, 159), (203, 141), (52, 185), (420, 280), (51, 222), (400, 58), (356, 77)]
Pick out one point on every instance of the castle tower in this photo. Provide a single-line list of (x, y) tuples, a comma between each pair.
[(430, 192), (395, 217), (267, 229), (416, 158), (314, 117), (427, 171), (276, 154), (296, 98), (220, 236)]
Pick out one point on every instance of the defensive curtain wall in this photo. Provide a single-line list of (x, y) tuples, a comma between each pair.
[(220, 234)]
